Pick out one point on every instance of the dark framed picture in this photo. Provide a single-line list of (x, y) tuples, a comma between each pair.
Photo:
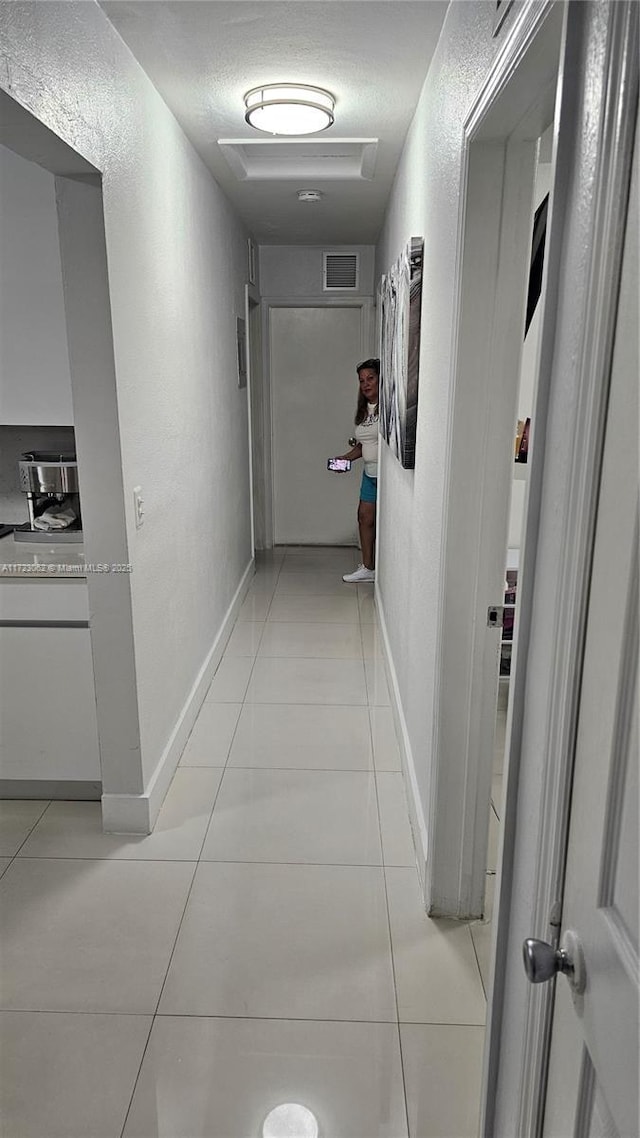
[(242, 351), (501, 9), (251, 261), (400, 309)]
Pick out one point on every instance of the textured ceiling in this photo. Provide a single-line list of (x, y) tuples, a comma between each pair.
[(202, 56)]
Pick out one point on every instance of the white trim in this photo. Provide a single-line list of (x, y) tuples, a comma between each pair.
[(251, 297), (317, 300), (137, 813), (252, 260), (592, 375), (555, 578), (496, 199), (414, 801)]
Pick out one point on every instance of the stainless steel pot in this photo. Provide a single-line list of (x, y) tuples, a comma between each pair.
[(46, 472)]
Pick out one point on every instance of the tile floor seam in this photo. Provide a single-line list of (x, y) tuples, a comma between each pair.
[(477, 959), (391, 954), (263, 1018), (215, 799), (115, 860), (386, 898), (273, 1019), (284, 703), (26, 839), (304, 864), (242, 705), (137, 1078), (175, 941), (323, 770), (10, 861), (296, 656), (74, 1012)]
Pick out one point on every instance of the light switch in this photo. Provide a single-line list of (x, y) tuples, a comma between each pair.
[(138, 506)]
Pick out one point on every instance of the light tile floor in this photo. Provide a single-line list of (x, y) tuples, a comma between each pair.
[(266, 945)]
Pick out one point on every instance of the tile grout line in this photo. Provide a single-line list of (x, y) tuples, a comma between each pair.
[(26, 839), (197, 863), (137, 1078), (241, 1018), (219, 861), (475, 953), (386, 898), (235, 730)]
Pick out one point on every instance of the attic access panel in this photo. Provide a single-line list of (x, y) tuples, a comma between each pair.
[(277, 159)]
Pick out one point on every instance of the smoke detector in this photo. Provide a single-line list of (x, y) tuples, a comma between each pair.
[(309, 196)]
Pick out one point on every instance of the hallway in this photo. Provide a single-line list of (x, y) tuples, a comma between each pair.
[(266, 944)]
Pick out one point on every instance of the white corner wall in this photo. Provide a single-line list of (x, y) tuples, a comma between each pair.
[(177, 269), (35, 382), (425, 201)]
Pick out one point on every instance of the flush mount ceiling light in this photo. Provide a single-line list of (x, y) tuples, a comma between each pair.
[(289, 108), (309, 196)]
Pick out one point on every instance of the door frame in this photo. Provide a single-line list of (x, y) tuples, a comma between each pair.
[(87, 312), (596, 116), (251, 303), (501, 135), (365, 303)]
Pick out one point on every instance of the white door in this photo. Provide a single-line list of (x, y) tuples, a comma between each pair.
[(594, 1061), (313, 354)]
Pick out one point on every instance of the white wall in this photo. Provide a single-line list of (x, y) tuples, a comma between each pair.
[(296, 270), (176, 261), (425, 202), (35, 383)]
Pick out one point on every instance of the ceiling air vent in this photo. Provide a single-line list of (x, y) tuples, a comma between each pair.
[(340, 271)]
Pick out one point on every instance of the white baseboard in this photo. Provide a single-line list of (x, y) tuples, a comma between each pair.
[(416, 812), (137, 813)]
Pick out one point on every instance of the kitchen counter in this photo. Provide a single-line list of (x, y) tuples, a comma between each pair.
[(48, 559)]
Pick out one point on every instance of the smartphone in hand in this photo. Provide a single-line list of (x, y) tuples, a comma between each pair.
[(340, 465)]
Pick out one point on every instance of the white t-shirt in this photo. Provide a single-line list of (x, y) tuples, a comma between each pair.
[(366, 433)]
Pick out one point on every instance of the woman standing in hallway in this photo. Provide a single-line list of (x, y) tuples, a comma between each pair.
[(366, 447)]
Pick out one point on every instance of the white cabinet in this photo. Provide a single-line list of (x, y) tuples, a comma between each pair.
[(48, 727)]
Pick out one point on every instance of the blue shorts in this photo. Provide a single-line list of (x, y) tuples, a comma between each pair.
[(368, 488)]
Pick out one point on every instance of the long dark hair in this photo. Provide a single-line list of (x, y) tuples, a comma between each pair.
[(361, 409)]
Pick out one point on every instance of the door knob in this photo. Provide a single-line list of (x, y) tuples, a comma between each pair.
[(542, 961)]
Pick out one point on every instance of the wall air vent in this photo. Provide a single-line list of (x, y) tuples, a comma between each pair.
[(340, 272)]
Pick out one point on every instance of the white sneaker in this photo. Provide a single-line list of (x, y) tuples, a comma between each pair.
[(359, 574)]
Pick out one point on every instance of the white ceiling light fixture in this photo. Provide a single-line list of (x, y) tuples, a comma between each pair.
[(310, 196), (289, 108)]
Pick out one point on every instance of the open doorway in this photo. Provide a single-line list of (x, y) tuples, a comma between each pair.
[(527, 383), (257, 454), (501, 156), (84, 602)]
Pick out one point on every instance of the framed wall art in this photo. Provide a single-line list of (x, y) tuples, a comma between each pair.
[(400, 308), (241, 333)]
